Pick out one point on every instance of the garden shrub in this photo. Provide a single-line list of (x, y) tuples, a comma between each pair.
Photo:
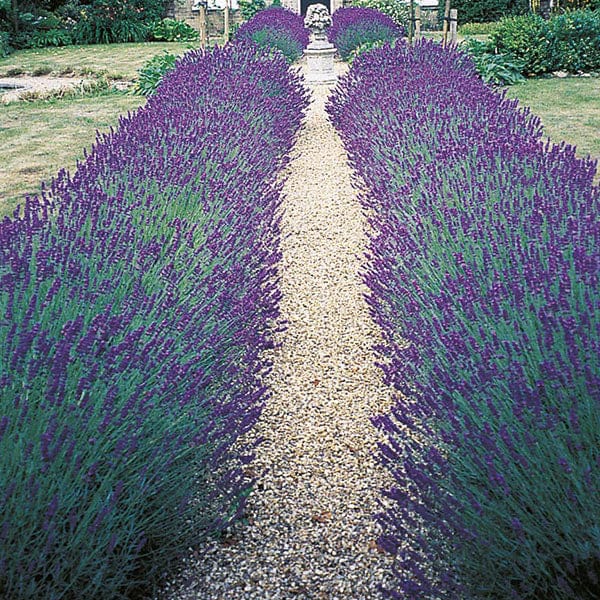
[(172, 30), (109, 21), (152, 73), (575, 41), (136, 298), (485, 11), (397, 10), (353, 27), (497, 69), (248, 8), (276, 28), (569, 42), (527, 38), (51, 37), (484, 268), (5, 47)]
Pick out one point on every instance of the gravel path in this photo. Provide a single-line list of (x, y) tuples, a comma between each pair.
[(310, 534)]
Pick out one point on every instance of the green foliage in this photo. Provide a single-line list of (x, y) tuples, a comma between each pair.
[(527, 38), (51, 37), (483, 11), (151, 74), (575, 42), (569, 42), (109, 21), (248, 8), (5, 47), (276, 3), (172, 30), (397, 10), (498, 69)]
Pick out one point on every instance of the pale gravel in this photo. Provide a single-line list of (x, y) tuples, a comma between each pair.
[(310, 532)]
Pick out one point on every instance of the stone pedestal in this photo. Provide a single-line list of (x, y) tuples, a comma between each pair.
[(319, 58)]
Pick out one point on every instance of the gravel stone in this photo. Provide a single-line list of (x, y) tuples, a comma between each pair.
[(309, 532)]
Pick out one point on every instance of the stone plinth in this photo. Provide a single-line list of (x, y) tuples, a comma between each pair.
[(319, 58)]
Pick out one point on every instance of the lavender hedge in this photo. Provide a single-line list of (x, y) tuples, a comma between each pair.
[(484, 277), (136, 298), (353, 27), (276, 28)]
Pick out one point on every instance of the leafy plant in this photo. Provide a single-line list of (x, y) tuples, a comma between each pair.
[(498, 69), (172, 30), (483, 274), (248, 8), (575, 41), (5, 47), (484, 11), (565, 42), (108, 21), (136, 297), (526, 38), (51, 37), (353, 27), (397, 10), (152, 73)]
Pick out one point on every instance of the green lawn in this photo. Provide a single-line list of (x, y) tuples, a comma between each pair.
[(569, 109), (39, 138), (115, 61)]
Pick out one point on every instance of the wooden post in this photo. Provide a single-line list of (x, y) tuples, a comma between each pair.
[(411, 23), (202, 26), (226, 22), (454, 26), (417, 22), (445, 24)]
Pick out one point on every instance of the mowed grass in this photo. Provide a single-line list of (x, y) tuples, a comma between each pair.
[(39, 138), (114, 61), (569, 109)]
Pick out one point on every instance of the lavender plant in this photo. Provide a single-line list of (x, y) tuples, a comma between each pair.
[(484, 278), (353, 27), (276, 28), (136, 299)]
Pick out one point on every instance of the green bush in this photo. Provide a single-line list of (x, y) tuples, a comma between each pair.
[(248, 8), (484, 11), (567, 42), (172, 30), (151, 74), (497, 69), (5, 47), (575, 44), (526, 38), (397, 10), (109, 21), (51, 37)]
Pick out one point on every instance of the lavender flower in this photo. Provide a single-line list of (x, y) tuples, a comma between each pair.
[(483, 271)]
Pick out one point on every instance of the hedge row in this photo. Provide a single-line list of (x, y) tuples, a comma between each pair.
[(135, 302), (484, 271), (569, 42)]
